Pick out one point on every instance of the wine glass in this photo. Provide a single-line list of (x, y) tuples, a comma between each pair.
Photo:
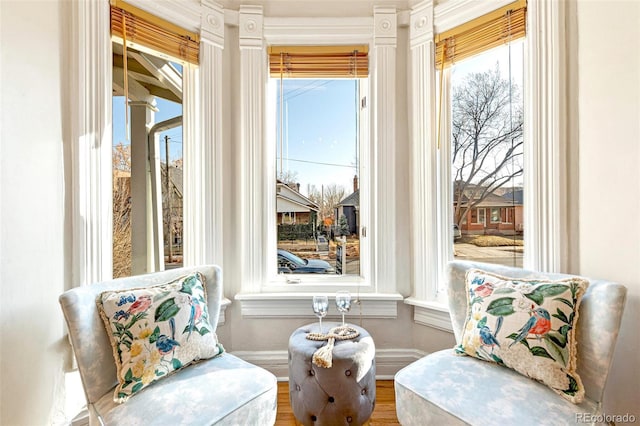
[(320, 306), (343, 302)]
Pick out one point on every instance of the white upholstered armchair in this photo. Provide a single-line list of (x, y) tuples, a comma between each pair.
[(221, 390), (445, 388)]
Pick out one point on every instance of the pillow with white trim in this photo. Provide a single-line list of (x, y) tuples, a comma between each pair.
[(155, 331), (527, 325)]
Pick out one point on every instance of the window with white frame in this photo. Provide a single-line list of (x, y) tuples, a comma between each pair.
[(264, 291), (315, 103), (437, 81)]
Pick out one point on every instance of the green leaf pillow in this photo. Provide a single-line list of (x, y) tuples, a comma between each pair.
[(157, 330), (525, 325)]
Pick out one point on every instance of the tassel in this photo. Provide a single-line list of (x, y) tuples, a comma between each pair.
[(323, 357)]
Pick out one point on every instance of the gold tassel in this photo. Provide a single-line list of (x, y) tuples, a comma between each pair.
[(323, 357)]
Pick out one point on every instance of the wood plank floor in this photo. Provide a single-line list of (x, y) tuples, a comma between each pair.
[(383, 415)]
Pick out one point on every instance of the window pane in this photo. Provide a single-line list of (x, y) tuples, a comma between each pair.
[(154, 99), (487, 149), (317, 169)]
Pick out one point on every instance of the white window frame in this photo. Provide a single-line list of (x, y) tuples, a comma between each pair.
[(91, 135), (264, 293), (281, 283), (545, 135), (478, 215)]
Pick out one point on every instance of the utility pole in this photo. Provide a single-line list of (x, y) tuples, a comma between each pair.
[(168, 186)]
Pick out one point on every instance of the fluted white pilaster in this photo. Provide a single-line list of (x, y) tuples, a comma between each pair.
[(545, 195), (384, 131), (424, 157), (203, 127), (91, 143), (254, 179)]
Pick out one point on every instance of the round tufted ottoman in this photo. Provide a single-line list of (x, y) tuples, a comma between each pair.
[(343, 394)]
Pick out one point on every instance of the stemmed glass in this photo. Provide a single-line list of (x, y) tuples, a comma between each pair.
[(343, 302), (320, 306)]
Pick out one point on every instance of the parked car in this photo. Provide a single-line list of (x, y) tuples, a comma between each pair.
[(289, 263), (456, 232)]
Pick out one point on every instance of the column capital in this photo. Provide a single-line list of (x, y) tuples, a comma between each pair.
[(148, 104)]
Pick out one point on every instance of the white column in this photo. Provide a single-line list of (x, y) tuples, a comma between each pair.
[(254, 182), (424, 157), (203, 164), (142, 232), (90, 86), (384, 131), (546, 196)]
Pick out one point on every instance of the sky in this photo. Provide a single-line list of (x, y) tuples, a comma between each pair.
[(319, 144)]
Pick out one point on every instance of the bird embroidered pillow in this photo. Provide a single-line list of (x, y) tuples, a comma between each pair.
[(157, 330), (525, 325)]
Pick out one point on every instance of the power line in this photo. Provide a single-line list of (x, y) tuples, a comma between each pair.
[(319, 162)]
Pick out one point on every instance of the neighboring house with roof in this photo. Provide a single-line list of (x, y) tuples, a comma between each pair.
[(292, 206), (350, 207), (493, 214)]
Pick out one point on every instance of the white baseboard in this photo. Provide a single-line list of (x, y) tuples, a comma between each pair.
[(388, 361)]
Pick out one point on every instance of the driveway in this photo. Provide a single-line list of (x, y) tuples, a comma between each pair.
[(499, 255)]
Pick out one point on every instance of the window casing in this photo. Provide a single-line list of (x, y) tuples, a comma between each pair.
[(545, 135), (260, 295), (90, 93)]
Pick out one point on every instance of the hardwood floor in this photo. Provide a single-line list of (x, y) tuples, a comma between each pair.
[(383, 415)]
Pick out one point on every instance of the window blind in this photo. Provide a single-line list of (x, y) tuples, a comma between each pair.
[(319, 61), (146, 30), (481, 34)]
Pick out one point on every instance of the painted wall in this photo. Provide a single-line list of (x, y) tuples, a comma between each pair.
[(32, 225), (608, 146)]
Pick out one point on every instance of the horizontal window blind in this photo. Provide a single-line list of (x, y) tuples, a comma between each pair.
[(319, 61), (146, 30), (481, 34)]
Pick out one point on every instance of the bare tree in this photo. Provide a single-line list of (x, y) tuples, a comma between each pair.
[(487, 125), (327, 199), (290, 177), (121, 159)]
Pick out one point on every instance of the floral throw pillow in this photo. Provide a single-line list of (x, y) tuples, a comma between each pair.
[(525, 325), (157, 330)]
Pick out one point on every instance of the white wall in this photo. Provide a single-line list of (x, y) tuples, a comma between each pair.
[(608, 139), (32, 237)]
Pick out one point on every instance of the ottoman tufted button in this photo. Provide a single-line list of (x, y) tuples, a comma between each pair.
[(363, 391), (331, 399), (298, 387), (349, 419), (314, 418), (312, 373), (347, 373)]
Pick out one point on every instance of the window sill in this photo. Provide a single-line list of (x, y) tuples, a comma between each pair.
[(432, 314), (287, 305)]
